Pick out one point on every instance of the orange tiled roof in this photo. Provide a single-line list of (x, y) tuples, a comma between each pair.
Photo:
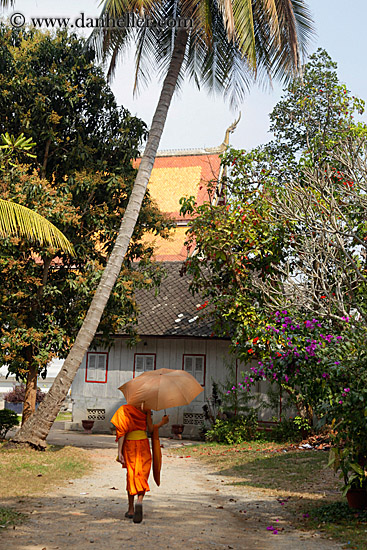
[(174, 177), (177, 176), (171, 249)]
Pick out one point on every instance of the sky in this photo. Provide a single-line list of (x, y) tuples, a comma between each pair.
[(196, 119)]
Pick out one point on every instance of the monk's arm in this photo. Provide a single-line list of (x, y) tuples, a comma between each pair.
[(149, 421), (164, 421), (119, 447), (150, 424)]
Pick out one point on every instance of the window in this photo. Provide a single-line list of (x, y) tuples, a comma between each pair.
[(143, 362), (96, 369), (195, 365)]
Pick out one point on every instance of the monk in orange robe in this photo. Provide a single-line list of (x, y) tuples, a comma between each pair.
[(134, 453)]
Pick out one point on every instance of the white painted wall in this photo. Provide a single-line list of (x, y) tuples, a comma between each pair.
[(169, 354)]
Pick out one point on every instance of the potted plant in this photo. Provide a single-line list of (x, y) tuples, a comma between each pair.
[(88, 425), (14, 399), (353, 472), (356, 488)]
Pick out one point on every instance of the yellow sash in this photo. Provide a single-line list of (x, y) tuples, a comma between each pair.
[(136, 435)]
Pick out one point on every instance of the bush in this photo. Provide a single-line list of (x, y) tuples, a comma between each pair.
[(291, 429), (235, 430), (17, 395), (8, 419)]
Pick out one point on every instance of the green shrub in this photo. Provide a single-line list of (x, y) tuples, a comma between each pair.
[(289, 429), (234, 430), (8, 419)]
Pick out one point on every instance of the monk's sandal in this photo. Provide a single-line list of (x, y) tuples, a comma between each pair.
[(138, 513)]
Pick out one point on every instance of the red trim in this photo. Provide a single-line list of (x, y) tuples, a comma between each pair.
[(86, 367), (195, 355), (145, 354)]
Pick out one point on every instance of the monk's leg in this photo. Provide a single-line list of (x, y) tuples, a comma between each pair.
[(138, 512), (131, 503)]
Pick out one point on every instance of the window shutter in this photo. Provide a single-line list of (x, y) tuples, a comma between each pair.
[(199, 369), (96, 367), (188, 366), (91, 373), (143, 363), (139, 363), (101, 368), (149, 362)]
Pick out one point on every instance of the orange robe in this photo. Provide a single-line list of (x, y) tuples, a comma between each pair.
[(137, 455)]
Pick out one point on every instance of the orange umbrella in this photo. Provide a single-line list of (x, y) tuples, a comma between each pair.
[(157, 456), (161, 389)]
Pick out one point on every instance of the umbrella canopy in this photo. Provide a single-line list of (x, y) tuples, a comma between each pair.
[(161, 389)]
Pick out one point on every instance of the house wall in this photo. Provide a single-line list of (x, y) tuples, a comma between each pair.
[(101, 399)]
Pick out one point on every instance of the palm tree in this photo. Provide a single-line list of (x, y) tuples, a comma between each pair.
[(230, 43), (18, 221)]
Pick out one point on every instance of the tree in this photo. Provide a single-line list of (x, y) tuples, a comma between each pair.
[(231, 246), (45, 293), (301, 204), (315, 173), (54, 92), (304, 313), (17, 220), (226, 46)]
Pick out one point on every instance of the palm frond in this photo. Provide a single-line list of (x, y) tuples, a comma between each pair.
[(111, 43), (245, 30), (226, 9), (20, 221), (231, 42), (117, 7)]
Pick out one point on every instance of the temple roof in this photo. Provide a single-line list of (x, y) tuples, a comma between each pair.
[(180, 173), (173, 177), (174, 311)]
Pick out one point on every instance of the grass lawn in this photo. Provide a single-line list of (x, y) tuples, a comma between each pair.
[(25, 473), (8, 517), (315, 500), (62, 416)]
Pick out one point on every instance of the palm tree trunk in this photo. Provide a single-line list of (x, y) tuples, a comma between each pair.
[(30, 397), (36, 429)]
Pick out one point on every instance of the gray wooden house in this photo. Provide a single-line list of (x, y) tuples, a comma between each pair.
[(173, 335), (172, 331)]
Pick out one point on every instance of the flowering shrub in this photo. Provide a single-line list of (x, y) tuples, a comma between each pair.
[(347, 412), (17, 395), (298, 355), (323, 367)]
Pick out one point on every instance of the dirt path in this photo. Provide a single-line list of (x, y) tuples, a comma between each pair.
[(193, 509)]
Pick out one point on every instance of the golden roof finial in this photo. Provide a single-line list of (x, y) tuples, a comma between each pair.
[(229, 131)]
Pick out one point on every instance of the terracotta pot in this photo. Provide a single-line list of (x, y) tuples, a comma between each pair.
[(177, 430), (88, 425), (357, 499)]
